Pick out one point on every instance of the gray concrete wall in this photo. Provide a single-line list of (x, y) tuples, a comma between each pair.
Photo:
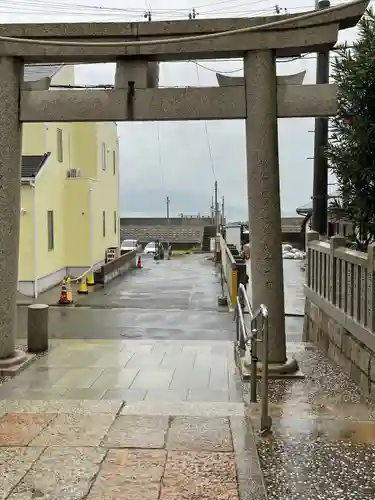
[(341, 346), (163, 221)]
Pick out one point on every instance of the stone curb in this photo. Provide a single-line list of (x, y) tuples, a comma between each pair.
[(250, 478)]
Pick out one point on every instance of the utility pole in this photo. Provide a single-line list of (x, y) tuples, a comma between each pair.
[(168, 201), (216, 210), (193, 14), (320, 179)]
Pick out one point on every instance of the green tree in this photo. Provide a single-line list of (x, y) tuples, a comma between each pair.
[(351, 151)]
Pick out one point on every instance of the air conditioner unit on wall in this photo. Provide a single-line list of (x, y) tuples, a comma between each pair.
[(73, 173)]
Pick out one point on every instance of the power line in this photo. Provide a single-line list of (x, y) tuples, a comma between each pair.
[(37, 7), (181, 39), (101, 8), (207, 135), (307, 56)]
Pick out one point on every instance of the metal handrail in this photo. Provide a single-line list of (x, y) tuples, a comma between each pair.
[(250, 339)]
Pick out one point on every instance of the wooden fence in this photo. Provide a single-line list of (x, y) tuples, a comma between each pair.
[(343, 277)]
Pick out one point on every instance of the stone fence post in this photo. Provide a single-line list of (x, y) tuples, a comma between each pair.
[(334, 276), (310, 236), (370, 306)]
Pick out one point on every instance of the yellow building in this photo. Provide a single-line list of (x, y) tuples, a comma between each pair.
[(69, 194)]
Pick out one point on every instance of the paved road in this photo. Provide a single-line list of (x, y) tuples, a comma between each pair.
[(174, 299)]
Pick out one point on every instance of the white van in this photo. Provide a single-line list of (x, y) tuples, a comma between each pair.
[(129, 245)]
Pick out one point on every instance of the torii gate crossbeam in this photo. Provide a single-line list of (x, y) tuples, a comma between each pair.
[(259, 101)]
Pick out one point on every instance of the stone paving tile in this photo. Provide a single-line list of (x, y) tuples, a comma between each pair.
[(78, 407), (91, 393), (113, 378), (60, 474), (75, 430), (137, 464), (129, 474), (196, 379), (37, 378), (184, 409), (34, 394), (127, 395), (203, 476), (128, 490), (80, 377), (149, 360), (167, 395), (200, 434), (19, 429), (14, 463), (219, 377), (114, 359), (80, 358), (172, 360), (153, 379), (207, 395), (137, 432), (168, 346)]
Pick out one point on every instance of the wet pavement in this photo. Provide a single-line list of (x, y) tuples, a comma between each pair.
[(140, 420), (323, 440), (142, 401), (294, 279), (174, 299)]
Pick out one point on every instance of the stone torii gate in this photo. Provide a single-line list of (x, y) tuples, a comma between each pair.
[(137, 48)]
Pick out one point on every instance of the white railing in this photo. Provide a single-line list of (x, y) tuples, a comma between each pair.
[(229, 269)]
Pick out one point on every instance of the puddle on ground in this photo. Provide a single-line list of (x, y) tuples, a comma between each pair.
[(359, 433)]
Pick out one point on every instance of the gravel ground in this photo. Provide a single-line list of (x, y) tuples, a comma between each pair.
[(323, 440)]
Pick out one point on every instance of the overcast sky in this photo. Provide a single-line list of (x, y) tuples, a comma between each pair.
[(173, 158)]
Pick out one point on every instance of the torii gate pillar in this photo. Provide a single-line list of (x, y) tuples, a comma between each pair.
[(267, 285), (11, 72)]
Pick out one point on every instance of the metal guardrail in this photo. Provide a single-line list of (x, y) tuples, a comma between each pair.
[(258, 334)]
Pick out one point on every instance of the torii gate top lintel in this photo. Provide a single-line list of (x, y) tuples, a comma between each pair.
[(260, 100), (291, 39)]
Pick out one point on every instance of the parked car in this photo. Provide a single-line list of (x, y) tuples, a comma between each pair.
[(246, 251), (129, 245), (150, 248)]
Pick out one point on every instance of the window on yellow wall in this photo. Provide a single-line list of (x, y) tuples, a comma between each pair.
[(103, 223), (60, 146), (114, 162), (50, 230), (104, 157), (115, 221)]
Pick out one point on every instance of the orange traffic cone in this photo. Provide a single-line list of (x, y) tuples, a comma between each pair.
[(139, 265), (69, 291), (63, 300)]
